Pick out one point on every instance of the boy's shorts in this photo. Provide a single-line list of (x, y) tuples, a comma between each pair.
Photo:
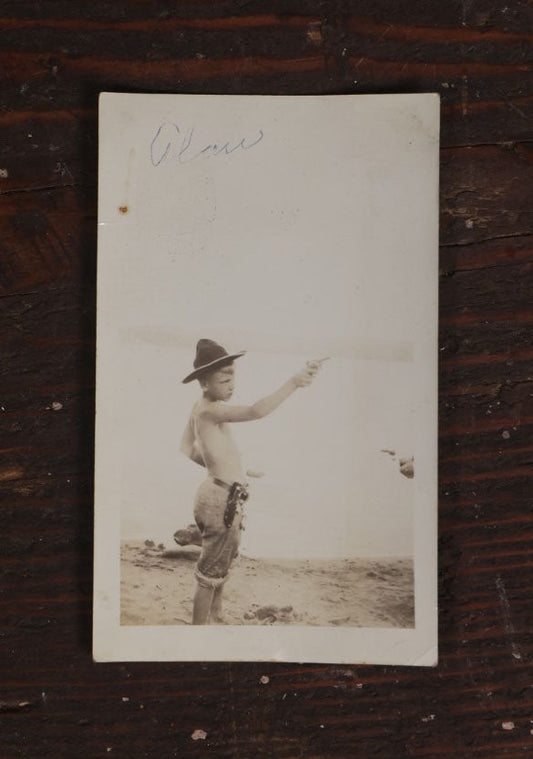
[(220, 544)]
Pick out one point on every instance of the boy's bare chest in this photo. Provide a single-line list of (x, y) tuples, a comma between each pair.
[(210, 430), (224, 430)]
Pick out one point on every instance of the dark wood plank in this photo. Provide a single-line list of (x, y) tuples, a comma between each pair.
[(55, 57)]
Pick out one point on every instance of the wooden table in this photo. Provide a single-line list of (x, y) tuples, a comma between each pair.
[(55, 57)]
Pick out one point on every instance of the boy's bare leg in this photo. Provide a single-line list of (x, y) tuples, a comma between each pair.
[(216, 607), (203, 600)]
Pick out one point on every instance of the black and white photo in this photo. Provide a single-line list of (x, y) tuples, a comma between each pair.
[(266, 431)]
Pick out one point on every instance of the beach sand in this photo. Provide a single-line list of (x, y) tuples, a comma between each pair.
[(157, 588)]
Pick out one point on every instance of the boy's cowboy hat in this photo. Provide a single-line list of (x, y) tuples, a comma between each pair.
[(209, 355)]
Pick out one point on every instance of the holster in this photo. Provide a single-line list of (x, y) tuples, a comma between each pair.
[(237, 494)]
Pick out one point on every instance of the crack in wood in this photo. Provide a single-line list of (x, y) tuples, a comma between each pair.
[(16, 705), (484, 240), (43, 188)]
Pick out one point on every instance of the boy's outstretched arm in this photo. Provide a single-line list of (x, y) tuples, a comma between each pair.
[(219, 412)]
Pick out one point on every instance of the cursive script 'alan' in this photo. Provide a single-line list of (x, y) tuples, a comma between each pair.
[(170, 143)]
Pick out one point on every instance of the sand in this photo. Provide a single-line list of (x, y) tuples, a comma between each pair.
[(157, 587)]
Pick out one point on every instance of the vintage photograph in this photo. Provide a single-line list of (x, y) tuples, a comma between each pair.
[(266, 379), (282, 510)]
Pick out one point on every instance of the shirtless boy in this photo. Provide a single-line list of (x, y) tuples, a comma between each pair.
[(207, 440)]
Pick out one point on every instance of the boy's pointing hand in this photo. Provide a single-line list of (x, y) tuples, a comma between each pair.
[(307, 374), (314, 365), (304, 377)]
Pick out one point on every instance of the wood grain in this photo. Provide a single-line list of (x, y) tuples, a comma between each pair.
[(55, 58)]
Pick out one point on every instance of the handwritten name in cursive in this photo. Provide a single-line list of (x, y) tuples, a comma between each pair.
[(171, 143)]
